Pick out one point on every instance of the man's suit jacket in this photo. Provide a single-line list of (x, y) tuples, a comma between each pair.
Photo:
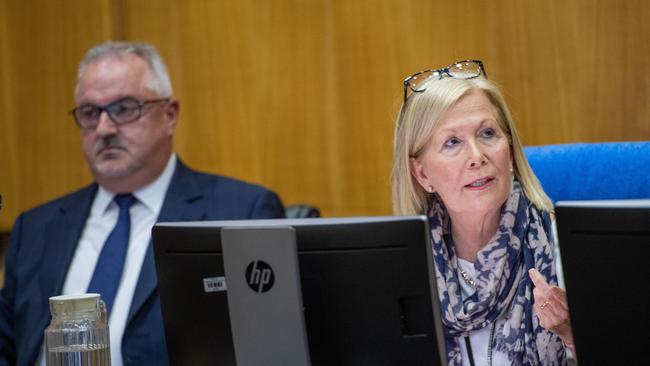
[(44, 240)]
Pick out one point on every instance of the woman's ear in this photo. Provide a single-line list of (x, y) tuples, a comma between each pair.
[(417, 171)]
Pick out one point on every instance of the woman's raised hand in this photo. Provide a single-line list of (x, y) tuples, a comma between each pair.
[(551, 308)]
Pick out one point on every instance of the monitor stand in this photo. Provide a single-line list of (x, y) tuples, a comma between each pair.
[(264, 296)]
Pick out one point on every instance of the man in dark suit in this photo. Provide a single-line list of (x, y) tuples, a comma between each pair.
[(127, 115)]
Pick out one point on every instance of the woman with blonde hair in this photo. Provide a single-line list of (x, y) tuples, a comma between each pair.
[(458, 159)]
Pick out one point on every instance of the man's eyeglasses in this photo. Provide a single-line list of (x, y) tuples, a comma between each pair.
[(121, 111), (468, 69)]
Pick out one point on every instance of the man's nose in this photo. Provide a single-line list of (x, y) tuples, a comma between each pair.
[(105, 125)]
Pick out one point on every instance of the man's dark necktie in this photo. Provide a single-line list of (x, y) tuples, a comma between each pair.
[(110, 264)]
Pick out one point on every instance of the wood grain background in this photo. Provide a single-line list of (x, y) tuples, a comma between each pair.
[(301, 95)]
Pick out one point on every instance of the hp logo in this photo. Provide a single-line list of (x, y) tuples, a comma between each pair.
[(259, 276)]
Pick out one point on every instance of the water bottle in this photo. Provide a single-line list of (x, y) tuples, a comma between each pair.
[(78, 333)]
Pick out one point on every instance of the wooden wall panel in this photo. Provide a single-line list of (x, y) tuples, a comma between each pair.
[(571, 68), (40, 150), (301, 95)]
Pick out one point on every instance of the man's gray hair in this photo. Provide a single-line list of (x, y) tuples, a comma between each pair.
[(159, 81)]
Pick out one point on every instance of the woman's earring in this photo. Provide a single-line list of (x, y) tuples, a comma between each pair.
[(430, 189)]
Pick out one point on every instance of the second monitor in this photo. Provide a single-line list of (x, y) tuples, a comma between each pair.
[(367, 289)]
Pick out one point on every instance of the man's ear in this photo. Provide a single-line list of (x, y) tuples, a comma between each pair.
[(171, 114), (417, 171)]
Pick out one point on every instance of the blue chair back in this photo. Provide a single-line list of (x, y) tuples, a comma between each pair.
[(592, 171)]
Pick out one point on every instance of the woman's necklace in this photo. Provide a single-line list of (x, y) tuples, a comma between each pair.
[(468, 280)]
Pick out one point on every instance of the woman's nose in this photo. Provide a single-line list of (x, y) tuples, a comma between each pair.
[(476, 156)]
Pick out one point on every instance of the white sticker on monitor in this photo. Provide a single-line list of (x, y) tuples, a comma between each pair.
[(214, 284)]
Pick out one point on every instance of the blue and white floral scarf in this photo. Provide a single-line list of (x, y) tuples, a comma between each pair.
[(504, 289)]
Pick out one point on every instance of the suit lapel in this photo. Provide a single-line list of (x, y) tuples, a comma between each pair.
[(183, 202), (61, 237)]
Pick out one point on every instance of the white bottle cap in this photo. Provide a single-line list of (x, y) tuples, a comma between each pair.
[(74, 304)]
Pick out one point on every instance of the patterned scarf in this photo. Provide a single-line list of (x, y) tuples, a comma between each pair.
[(504, 289)]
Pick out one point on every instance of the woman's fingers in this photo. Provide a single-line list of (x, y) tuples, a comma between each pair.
[(551, 306), (538, 279), (546, 295)]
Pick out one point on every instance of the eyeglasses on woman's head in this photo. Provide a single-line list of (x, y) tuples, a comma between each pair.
[(467, 69)]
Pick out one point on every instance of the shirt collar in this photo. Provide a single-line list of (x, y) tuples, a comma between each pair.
[(151, 196)]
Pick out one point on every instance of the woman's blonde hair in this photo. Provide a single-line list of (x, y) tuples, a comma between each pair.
[(421, 112)]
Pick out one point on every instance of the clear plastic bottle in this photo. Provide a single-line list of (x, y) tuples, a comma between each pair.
[(78, 333)]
